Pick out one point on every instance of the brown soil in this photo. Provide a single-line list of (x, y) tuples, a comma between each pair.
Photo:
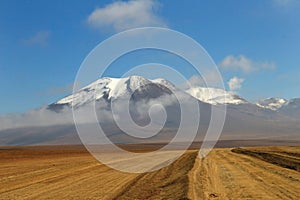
[(224, 174), (70, 172)]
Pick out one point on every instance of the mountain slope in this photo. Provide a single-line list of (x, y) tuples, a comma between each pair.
[(243, 119), (291, 108)]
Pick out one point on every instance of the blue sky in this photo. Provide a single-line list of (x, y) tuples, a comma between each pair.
[(42, 43)]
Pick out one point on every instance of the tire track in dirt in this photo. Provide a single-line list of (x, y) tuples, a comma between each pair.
[(260, 177), (233, 179), (204, 184), (227, 175), (170, 182)]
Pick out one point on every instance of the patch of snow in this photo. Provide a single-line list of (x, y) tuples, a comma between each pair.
[(272, 103), (215, 96)]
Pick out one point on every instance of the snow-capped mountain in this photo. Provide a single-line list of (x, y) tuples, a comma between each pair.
[(116, 88), (266, 119), (291, 108), (215, 96), (293, 103), (141, 88), (272, 103)]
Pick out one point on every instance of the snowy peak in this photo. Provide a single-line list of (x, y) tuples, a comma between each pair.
[(114, 88), (125, 86), (141, 88), (291, 108), (272, 103), (165, 83), (215, 96), (293, 103)]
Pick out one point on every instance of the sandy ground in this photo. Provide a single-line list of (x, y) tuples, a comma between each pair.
[(72, 173), (61, 174), (227, 175)]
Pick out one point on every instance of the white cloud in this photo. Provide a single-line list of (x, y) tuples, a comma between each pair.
[(40, 38), (45, 117), (245, 64), (235, 83), (121, 15)]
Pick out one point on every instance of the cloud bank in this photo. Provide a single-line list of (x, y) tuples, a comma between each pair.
[(120, 15), (139, 111), (244, 64)]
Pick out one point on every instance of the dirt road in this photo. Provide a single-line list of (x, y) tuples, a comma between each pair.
[(227, 175), (72, 173)]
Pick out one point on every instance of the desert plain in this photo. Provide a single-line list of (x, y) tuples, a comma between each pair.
[(70, 172)]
